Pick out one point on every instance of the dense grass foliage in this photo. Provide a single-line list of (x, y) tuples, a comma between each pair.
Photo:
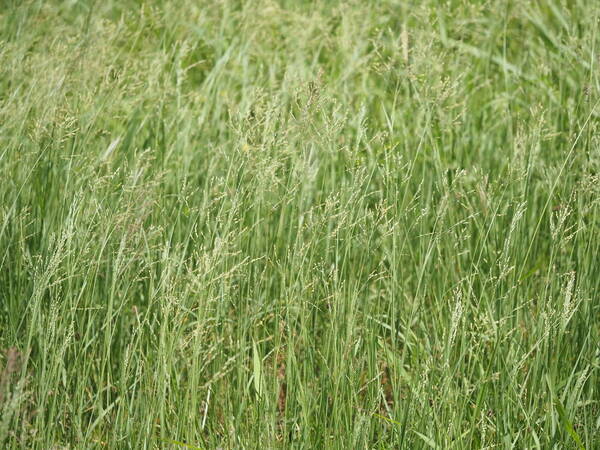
[(299, 224)]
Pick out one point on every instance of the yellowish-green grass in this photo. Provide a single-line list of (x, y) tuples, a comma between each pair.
[(299, 224)]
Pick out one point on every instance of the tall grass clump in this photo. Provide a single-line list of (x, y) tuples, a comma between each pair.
[(299, 224)]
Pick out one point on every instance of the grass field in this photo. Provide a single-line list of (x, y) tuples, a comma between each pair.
[(299, 224)]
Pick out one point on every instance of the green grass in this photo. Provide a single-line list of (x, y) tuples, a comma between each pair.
[(299, 224)]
